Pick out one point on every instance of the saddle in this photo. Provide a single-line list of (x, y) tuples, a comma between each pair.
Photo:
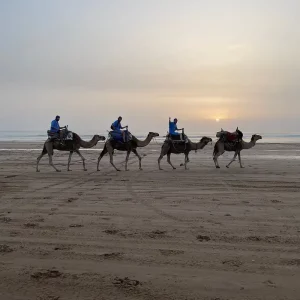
[(67, 135), (177, 138), (230, 137), (118, 137)]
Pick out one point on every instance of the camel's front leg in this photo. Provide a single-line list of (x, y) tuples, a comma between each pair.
[(169, 160), (51, 163), (83, 159), (126, 160), (233, 159), (139, 157), (69, 160), (240, 160)]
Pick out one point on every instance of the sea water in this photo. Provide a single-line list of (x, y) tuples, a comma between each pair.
[(38, 136)]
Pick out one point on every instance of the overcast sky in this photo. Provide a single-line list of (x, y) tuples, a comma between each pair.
[(91, 61)]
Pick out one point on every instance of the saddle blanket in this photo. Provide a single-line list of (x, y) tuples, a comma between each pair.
[(118, 137), (67, 136)]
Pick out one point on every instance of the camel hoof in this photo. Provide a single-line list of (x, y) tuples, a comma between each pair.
[(227, 167), (181, 165), (58, 171), (160, 169), (217, 167), (118, 170), (242, 167), (174, 168), (69, 170), (38, 171), (85, 170), (127, 170)]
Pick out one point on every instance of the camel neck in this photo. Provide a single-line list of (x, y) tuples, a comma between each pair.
[(248, 145), (196, 146), (89, 144), (144, 143)]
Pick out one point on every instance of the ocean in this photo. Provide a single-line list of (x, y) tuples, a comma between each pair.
[(38, 136)]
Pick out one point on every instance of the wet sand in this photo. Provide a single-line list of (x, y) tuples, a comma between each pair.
[(173, 234)]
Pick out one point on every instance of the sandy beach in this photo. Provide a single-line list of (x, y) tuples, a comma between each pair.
[(204, 233)]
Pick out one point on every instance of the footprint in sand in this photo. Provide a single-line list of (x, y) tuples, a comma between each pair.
[(46, 274), (203, 238), (5, 249)]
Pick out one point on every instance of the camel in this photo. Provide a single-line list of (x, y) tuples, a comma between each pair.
[(169, 147), (221, 147), (129, 147), (71, 146)]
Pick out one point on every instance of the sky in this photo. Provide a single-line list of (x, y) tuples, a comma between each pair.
[(211, 64)]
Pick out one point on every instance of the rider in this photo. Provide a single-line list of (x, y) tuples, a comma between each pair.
[(116, 127), (55, 128), (173, 129)]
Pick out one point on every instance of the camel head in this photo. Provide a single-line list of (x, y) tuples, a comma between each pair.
[(99, 138), (153, 134), (256, 137), (205, 140)]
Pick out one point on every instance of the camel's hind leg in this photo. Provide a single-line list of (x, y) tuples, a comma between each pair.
[(111, 159), (69, 160), (218, 151), (44, 152), (104, 151), (164, 150), (83, 159), (139, 157), (110, 151), (169, 160), (240, 160), (233, 159), (186, 160), (159, 159), (126, 160)]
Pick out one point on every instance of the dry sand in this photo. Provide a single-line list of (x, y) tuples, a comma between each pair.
[(198, 234)]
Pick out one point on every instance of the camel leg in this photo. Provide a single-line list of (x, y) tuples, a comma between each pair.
[(69, 161), (44, 152), (240, 160), (126, 160), (233, 159), (159, 159), (83, 159), (186, 160), (219, 150), (139, 157), (104, 151), (112, 161), (216, 160), (164, 150), (51, 163), (169, 160)]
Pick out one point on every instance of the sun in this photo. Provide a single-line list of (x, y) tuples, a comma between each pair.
[(217, 120)]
